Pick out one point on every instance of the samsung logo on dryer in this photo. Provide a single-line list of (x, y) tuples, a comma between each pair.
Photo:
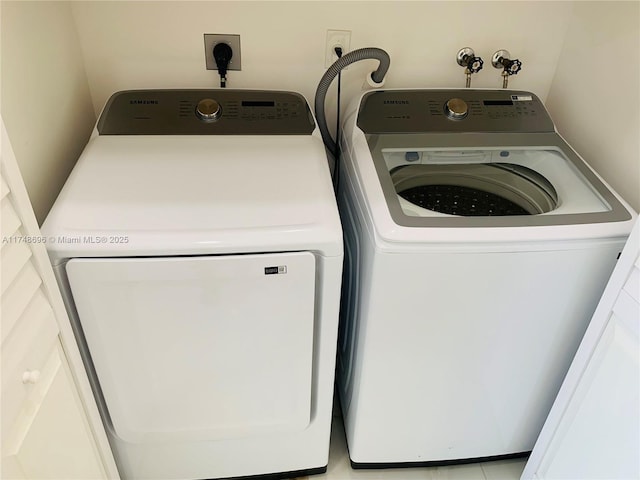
[(396, 102), (143, 102)]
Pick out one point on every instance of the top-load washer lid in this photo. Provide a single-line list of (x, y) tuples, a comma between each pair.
[(159, 194), (498, 164)]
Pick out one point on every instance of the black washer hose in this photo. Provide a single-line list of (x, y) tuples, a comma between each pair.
[(347, 59)]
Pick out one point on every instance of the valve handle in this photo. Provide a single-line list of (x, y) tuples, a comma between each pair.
[(463, 55), (512, 67), (467, 58), (502, 59), (474, 64)]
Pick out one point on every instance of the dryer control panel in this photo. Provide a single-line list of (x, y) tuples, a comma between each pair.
[(467, 110), (206, 112)]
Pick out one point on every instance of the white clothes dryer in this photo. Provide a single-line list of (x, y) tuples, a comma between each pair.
[(198, 246), (478, 244)]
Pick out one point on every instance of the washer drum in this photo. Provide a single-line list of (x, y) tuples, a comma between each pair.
[(496, 189)]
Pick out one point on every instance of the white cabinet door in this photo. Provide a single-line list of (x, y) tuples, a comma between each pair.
[(50, 438), (593, 429), (50, 425)]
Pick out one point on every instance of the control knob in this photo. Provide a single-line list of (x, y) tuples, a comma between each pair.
[(208, 110), (456, 108)]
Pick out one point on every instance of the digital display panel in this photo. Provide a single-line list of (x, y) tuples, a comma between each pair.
[(256, 103), (491, 103)]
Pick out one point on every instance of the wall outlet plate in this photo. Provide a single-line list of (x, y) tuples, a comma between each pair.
[(211, 40), (335, 38)]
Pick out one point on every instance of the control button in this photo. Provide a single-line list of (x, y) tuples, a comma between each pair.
[(456, 108), (208, 110)]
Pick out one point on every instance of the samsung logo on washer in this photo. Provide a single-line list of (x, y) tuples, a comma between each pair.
[(396, 102), (143, 102)]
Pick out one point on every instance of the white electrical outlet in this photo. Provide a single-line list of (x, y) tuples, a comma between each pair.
[(336, 38)]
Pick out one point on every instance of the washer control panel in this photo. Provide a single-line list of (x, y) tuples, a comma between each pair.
[(206, 112), (468, 110)]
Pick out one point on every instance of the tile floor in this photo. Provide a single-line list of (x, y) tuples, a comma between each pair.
[(340, 469)]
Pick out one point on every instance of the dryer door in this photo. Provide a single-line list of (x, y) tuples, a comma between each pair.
[(192, 348)]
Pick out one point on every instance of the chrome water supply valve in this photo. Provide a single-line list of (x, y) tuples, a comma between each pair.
[(502, 59), (467, 58)]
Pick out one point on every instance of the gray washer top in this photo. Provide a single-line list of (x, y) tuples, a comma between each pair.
[(421, 111), (173, 112)]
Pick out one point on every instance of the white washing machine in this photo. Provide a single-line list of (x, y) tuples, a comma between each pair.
[(198, 246), (478, 244)]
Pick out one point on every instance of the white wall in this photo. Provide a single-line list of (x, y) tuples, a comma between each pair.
[(131, 45), (595, 94), (45, 98), (48, 46)]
